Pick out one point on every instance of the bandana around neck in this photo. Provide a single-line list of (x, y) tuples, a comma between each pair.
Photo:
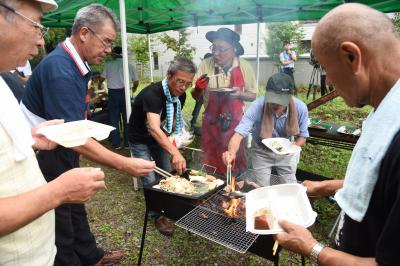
[(170, 110)]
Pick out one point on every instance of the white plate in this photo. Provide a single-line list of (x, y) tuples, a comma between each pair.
[(349, 131), (73, 134), (286, 146), (286, 201)]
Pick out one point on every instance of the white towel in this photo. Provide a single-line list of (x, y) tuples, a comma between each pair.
[(14, 122), (362, 172)]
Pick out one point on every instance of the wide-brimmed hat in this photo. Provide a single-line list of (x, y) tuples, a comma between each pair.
[(279, 89), (227, 35), (47, 5)]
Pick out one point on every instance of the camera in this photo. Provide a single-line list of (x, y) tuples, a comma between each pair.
[(313, 60)]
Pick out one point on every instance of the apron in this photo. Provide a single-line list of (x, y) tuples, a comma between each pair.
[(222, 115)]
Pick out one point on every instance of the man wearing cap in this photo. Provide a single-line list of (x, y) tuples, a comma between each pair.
[(27, 228), (224, 81), (114, 74), (58, 89), (278, 114)]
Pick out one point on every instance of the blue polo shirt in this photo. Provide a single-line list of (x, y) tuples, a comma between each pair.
[(251, 121), (57, 89)]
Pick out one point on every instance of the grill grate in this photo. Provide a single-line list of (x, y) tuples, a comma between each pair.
[(209, 221)]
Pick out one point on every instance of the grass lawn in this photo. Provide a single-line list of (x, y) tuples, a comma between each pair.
[(116, 215)]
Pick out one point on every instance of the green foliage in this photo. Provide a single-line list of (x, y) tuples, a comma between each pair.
[(180, 46), (279, 33), (139, 46), (54, 37), (51, 39), (396, 21)]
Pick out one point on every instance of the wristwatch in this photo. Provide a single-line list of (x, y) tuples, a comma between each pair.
[(317, 248)]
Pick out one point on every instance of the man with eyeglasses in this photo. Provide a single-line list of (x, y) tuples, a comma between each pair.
[(58, 89), (27, 227), (156, 114), (224, 81)]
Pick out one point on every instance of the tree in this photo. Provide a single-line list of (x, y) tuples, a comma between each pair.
[(139, 45), (279, 33), (180, 46), (396, 21)]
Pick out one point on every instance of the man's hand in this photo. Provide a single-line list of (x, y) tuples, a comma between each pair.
[(236, 93), (313, 188), (79, 184), (296, 238), (138, 166), (178, 162), (228, 157), (41, 142), (202, 82)]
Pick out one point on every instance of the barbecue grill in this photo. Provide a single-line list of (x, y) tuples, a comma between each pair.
[(205, 216)]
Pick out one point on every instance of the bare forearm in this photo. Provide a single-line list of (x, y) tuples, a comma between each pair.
[(329, 187), (300, 141), (248, 96), (18, 211), (96, 152), (332, 257), (234, 143)]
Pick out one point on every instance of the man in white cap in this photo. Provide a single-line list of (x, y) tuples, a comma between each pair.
[(27, 229), (278, 114)]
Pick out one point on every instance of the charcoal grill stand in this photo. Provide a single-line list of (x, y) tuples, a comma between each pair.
[(175, 207)]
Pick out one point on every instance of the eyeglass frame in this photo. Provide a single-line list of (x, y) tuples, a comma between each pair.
[(42, 29), (220, 51), (106, 45), (181, 82)]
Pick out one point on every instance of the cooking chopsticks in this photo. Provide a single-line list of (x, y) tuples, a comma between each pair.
[(162, 172), (193, 149)]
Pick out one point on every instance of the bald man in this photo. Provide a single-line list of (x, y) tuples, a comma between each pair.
[(353, 43)]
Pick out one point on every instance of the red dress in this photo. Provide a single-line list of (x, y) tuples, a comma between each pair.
[(223, 113)]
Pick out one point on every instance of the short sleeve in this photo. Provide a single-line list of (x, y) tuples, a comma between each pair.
[(249, 78)]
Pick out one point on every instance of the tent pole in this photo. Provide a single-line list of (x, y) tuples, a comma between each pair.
[(150, 58), (124, 43), (258, 54)]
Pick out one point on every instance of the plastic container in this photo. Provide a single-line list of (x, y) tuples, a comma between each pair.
[(286, 201), (281, 146), (73, 134)]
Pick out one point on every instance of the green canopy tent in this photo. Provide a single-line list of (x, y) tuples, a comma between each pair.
[(151, 16), (161, 15)]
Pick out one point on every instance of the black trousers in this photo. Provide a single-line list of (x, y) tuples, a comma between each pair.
[(75, 243), (289, 71)]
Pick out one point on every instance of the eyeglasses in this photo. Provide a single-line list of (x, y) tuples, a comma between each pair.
[(214, 49), (39, 27), (181, 82), (105, 44)]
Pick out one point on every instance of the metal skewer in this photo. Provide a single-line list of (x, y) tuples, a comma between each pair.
[(275, 247), (216, 75)]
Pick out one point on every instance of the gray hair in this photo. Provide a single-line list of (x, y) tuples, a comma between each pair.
[(7, 14), (93, 16), (182, 64)]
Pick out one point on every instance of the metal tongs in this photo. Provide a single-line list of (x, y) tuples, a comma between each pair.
[(232, 194)]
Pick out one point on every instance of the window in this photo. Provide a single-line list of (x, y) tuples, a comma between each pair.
[(155, 60)]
